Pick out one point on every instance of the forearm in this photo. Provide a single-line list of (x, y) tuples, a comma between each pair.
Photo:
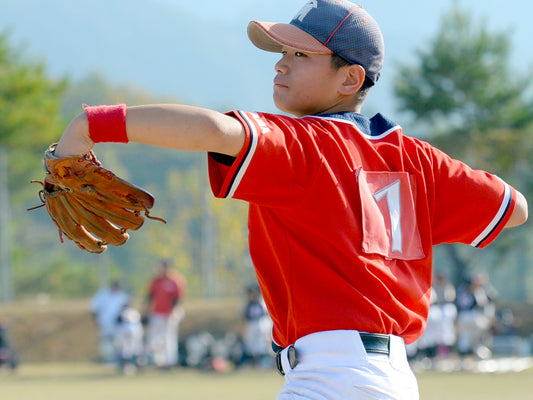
[(165, 125), (185, 128)]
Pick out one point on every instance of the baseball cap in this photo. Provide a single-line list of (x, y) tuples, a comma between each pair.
[(327, 27)]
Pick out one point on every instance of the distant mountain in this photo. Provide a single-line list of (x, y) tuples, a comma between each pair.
[(151, 45)]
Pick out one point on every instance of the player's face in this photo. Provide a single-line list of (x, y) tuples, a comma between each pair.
[(307, 84)]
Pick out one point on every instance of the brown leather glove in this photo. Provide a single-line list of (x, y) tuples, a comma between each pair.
[(90, 204)]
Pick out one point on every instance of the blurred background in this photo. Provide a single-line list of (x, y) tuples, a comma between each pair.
[(457, 74)]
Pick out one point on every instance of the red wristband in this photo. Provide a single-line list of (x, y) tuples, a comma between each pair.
[(107, 123)]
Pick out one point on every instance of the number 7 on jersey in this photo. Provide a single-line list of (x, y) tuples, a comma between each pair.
[(389, 223)]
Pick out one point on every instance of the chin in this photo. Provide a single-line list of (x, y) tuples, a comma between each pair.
[(280, 106)]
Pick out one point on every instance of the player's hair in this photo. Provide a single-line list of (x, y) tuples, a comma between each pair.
[(338, 62)]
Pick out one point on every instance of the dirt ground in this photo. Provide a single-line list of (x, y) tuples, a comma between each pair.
[(65, 330), (45, 331)]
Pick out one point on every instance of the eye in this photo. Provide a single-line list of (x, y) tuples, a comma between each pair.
[(296, 53)]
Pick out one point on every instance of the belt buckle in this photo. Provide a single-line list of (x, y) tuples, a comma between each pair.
[(292, 357)]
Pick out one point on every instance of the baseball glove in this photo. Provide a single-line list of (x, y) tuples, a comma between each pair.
[(89, 204)]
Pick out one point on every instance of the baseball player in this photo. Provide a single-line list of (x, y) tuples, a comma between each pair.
[(165, 292), (106, 306), (130, 340), (343, 209), (257, 328), (476, 314)]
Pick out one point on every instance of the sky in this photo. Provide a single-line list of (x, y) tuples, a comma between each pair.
[(414, 21), (407, 25)]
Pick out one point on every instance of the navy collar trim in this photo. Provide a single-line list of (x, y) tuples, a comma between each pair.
[(375, 128)]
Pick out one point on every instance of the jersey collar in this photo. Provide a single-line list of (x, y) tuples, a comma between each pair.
[(377, 126)]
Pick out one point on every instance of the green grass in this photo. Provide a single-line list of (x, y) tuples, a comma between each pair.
[(472, 386), (95, 382)]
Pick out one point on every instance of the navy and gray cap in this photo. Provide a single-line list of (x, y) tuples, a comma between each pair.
[(327, 27)]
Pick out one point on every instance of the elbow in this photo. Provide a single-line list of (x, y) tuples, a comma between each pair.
[(520, 212)]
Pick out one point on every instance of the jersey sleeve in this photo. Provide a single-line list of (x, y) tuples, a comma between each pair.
[(278, 161), (471, 206)]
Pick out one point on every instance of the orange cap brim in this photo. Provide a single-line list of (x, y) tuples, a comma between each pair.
[(271, 36)]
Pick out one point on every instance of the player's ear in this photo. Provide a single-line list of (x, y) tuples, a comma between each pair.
[(354, 77)]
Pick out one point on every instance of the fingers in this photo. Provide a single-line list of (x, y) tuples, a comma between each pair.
[(95, 224), (117, 215), (61, 215)]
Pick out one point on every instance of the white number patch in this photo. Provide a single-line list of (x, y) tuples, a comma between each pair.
[(388, 214)]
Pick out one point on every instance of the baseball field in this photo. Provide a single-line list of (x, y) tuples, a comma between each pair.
[(86, 381)]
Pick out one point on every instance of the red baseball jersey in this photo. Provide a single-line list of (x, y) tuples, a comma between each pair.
[(343, 213), (165, 293)]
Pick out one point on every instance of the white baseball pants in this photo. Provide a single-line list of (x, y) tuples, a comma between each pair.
[(334, 365)]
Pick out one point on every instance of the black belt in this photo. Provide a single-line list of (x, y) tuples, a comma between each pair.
[(372, 342)]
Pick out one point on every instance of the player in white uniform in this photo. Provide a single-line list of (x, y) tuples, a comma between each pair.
[(106, 306)]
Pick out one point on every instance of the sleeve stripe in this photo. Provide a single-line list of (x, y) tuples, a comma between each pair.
[(245, 161), (500, 215)]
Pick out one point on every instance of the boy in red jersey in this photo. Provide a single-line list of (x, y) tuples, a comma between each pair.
[(165, 291), (344, 209)]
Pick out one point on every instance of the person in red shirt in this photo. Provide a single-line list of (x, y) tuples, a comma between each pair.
[(165, 292), (344, 209)]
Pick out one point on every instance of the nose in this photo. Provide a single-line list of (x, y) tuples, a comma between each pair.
[(280, 67)]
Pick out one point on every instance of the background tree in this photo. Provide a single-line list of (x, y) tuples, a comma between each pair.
[(29, 118), (468, 100), (34, 110), (29, 112)]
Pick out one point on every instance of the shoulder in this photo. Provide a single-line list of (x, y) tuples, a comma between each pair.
[(178, 278)]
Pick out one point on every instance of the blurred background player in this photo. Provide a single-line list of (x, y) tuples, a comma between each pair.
[(445, 302), (130, 340), (257, 335), (166, 289), (106, 306), (476, 316), (8, 358)]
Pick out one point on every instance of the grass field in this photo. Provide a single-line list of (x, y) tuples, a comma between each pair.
[(80, 381)]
